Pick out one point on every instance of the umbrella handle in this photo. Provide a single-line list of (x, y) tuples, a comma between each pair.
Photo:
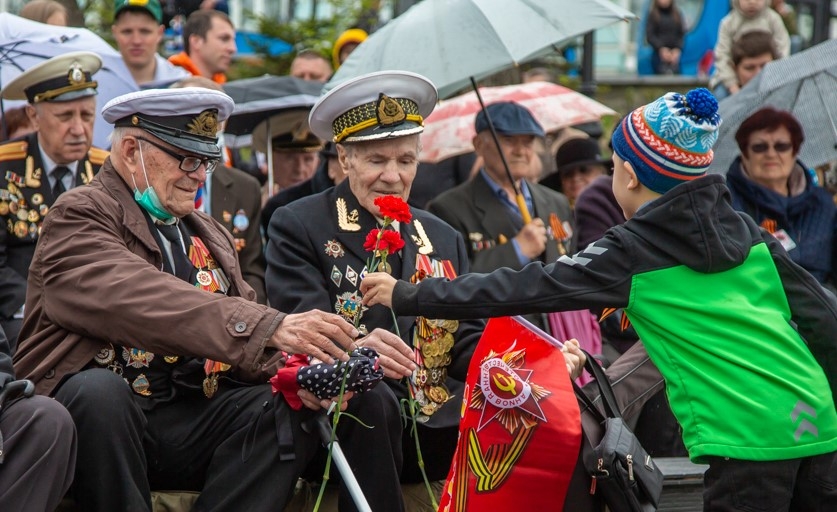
[(524, 210), (518, 195)]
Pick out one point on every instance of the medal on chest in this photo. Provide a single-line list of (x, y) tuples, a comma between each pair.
[(210, 277)]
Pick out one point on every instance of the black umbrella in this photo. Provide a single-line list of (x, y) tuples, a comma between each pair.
[(257, 99)]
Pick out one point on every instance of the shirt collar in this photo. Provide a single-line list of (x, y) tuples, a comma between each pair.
[(49, 163), (498, 190)]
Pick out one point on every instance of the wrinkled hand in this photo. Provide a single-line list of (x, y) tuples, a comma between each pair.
[(532, 239), (574, 358), (310, 401), (377, 288), (395, 357), (324, 336)]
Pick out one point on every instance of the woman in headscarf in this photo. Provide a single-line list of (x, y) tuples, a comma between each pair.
[(769, 183)]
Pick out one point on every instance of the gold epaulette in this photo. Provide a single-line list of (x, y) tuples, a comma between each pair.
[(15, 150), (97, 155)]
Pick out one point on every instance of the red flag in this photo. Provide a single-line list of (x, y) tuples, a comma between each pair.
[(520, 430)]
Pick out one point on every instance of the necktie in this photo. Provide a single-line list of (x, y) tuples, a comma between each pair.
[(58, 174), (182, 267)]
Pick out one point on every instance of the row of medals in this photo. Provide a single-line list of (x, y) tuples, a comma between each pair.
[(15, 205), (435, 341)]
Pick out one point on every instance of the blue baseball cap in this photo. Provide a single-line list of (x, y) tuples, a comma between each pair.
[(509, 118)]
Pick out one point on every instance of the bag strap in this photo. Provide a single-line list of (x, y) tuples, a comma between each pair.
[(611, 406)]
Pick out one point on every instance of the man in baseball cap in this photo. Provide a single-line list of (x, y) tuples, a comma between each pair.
[(138, 31)]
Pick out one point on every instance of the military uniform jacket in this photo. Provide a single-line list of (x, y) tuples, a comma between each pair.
[(98, 278), (236, 203), (316, 260), (476, 212), (25, 198)]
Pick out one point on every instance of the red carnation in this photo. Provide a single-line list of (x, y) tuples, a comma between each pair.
[(393, 208), (384, 241)]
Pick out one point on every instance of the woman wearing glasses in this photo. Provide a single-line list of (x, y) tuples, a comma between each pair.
[(770, 184)]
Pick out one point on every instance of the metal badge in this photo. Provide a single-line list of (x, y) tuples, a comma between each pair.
[(141, 385), (422, 241), (204, 279), (137, 357), (336, 276), (334, 249), (347, 221), (240, 221), (351, 275), (32, 177)]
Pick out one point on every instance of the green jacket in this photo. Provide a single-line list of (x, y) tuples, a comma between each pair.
[(743, 336)]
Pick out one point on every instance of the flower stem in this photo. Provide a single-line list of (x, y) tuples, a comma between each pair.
[(418, 449)]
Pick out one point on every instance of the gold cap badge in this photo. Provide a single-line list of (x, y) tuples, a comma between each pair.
[(206, 123), (389, 111)]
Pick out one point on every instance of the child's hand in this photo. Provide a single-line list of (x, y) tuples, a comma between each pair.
[(377, 288), (574, 358)]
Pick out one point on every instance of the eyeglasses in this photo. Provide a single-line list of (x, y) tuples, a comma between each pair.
[(187, 163), (763, 147)]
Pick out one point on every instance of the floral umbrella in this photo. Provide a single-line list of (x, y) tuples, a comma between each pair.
[(448, 131)]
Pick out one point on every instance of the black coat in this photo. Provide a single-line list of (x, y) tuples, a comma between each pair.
[(300, 270), (483, 221), (23, 214)]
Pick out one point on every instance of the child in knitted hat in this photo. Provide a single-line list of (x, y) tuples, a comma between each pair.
[(742, 335)]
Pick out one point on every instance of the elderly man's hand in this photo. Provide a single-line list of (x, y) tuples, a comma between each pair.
[(312, 402), (574, 358), (532, 239), (377, 288), (396, 358), (324, 336)]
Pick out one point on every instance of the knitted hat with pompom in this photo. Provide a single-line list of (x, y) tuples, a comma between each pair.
[(669, 141)]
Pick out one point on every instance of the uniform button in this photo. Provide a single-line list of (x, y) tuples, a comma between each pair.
[(50, 373), (240, 327)]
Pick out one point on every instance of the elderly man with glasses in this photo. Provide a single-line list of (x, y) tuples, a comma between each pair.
[(141, 324)]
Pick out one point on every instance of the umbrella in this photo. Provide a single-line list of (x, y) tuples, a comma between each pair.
[(26, 43), (257, 99), (448, 131), (452, 41), (804, 84)]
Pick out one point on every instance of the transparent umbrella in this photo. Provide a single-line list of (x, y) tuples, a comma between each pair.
[(452, 41)]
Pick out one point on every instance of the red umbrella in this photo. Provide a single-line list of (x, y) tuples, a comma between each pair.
[(449, 129)]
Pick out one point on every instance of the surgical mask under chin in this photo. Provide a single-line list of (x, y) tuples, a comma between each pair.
[(148, 199)]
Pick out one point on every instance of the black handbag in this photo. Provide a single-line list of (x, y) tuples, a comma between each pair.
[(621, 471)]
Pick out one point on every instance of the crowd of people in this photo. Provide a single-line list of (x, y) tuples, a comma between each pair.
[(149, 291), (666, 29)]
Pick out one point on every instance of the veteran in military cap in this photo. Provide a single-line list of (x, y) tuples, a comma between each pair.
[(36, 169), (292, 145), (317, 260), (141, 324)]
